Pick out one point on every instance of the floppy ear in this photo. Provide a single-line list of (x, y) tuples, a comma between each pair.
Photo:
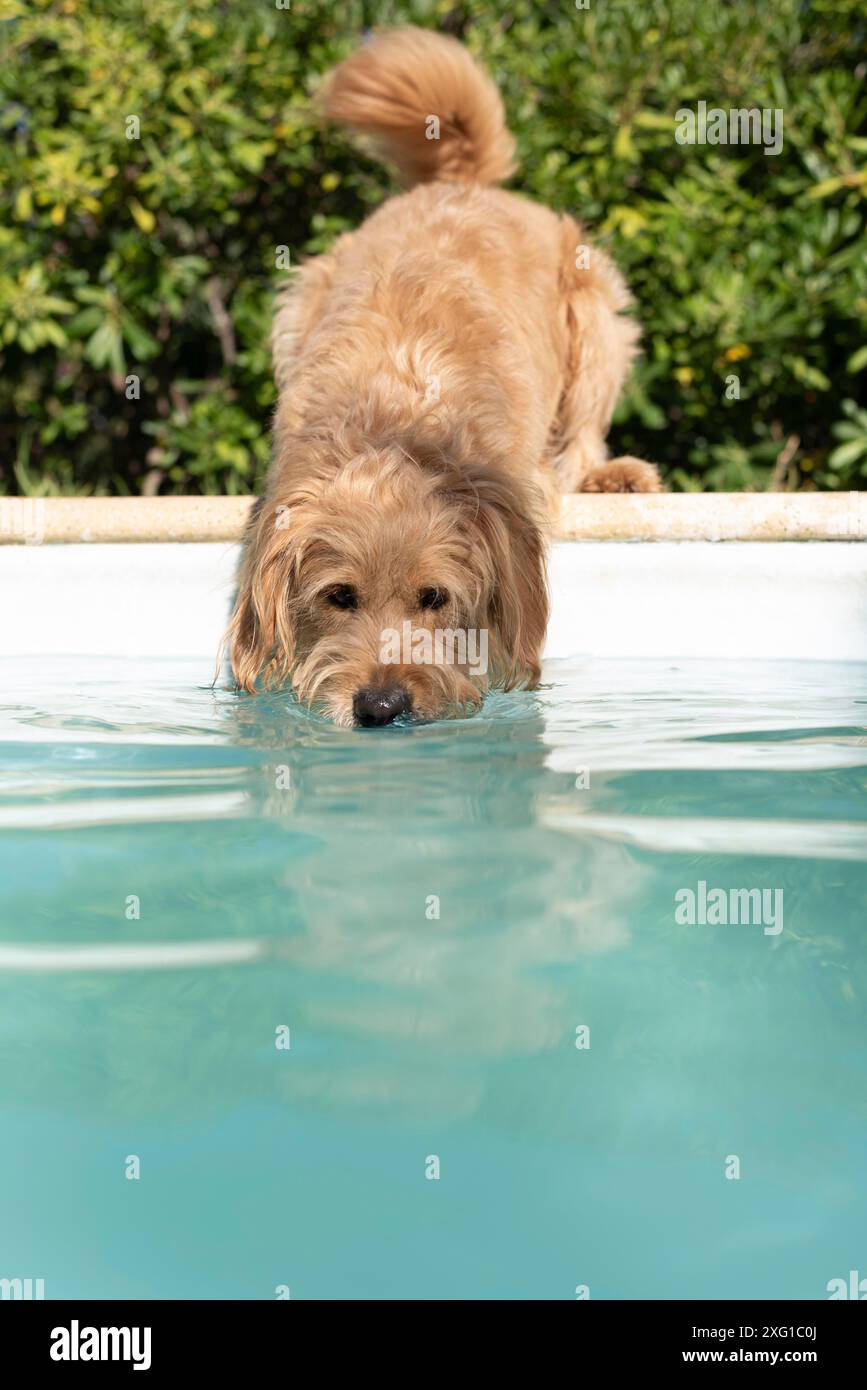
[(260, 635), (519, 600), (507, 518)]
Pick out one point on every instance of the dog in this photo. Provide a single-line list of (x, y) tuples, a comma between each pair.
[(444, 373)]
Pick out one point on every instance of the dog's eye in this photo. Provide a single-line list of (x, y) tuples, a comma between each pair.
[(343, 596), (432, 598)]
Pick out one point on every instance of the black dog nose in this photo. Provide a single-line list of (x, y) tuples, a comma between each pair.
[(372, 707)]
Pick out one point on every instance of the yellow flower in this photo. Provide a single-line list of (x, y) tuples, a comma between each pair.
[(734, 354)]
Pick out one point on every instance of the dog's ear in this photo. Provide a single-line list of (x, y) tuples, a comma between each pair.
[(519, 600), (507, 517), (260, 635)]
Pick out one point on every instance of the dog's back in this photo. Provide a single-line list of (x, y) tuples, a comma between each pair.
[(448, 293), (457, 290)]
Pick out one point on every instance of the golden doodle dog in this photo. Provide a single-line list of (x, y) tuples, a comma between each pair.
[(444, 373)]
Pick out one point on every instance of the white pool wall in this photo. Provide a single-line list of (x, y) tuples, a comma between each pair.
[(716, 600)]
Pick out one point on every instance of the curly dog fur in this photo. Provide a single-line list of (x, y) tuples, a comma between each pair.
[(444, 372)]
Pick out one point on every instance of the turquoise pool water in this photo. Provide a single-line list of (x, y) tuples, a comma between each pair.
[(432, 913)]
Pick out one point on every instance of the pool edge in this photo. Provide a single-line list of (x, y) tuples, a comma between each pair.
[(765, 517)]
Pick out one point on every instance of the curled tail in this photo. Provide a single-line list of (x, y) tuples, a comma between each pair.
[(427, 105)]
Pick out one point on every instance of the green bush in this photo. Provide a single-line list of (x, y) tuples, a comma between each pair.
[(155, 256)]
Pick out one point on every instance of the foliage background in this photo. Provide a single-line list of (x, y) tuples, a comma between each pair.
[(156, 256)]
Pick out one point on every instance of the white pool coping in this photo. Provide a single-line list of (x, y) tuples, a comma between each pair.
[(685, 600), (840, 516)]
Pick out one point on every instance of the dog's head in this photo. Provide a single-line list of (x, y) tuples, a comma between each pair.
[(387, 587)]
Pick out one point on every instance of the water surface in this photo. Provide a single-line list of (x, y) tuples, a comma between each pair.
[(432, 913)]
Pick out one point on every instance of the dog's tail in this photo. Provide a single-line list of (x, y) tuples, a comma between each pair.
[(427, 106)]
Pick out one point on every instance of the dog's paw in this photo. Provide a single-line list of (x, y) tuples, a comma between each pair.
[(623, 475)]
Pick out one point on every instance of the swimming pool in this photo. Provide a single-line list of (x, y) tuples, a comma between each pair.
[(416, 1012)]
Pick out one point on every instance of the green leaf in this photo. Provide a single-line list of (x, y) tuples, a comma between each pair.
[(858, 360), (848, 453)]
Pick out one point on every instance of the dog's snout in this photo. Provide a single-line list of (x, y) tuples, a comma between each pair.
[(372, 707)]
